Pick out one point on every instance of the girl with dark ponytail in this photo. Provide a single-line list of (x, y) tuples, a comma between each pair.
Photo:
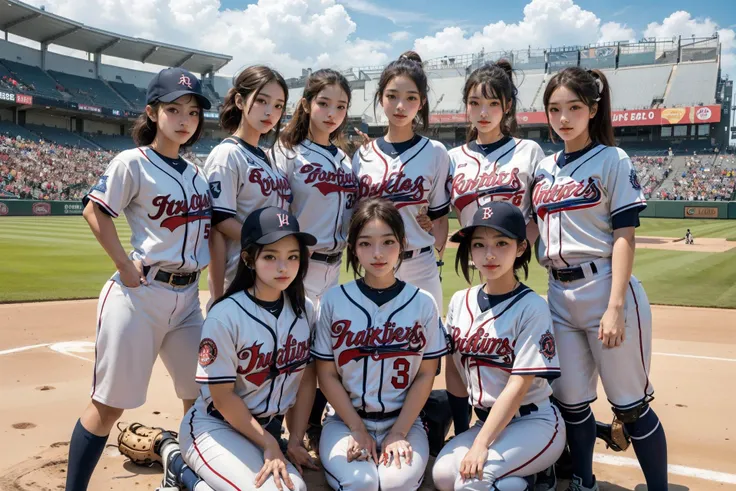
[(242, 178), (587, 200), (409, 169), (493, 165)]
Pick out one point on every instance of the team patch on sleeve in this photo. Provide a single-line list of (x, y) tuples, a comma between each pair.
[(207, 352), (634, 180), (215, 189), (101, 185), (547, 346)]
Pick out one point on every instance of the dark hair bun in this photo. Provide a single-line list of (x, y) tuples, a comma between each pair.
[(411, 56), (505, 65)]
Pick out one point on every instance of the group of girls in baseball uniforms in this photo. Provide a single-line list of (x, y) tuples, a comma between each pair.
[(276, 225)]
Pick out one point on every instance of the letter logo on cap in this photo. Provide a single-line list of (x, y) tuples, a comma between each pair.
[(487, 213), (186, 81), (283, 219)]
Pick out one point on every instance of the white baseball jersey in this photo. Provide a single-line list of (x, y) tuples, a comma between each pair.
[(576, 203), (241, 182), (264, 356), (378, 350), (416, 180), (504, 174), (512, 337), (323, 188), (168, 211)]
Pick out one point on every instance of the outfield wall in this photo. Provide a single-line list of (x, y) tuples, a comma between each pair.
[(655, 209)]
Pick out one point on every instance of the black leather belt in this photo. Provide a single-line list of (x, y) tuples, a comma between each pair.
[(416, 252), (271, 424), (379, 416), (525, 410), (326, 258), (572, 273), (176, 279)]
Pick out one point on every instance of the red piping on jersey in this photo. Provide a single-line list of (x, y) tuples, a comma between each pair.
[(480, 386), (551, 440), (99, 324), (467, 306), (385, 163), (98, 200), (641, 345), (194, 442), (476, 160)]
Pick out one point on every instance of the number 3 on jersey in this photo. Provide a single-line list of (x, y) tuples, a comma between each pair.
[(401, 380)]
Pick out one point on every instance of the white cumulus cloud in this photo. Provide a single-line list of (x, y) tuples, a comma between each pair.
[(546, 23), (286, 34)]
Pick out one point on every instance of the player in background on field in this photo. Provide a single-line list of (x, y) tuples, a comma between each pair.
[(587, 201), (254, 365), (242, 178), (503, 352), (150, 306), (377, 343), (491, 166), (410, 170)]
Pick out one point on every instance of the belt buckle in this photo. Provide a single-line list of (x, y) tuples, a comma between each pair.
[(564, 275), (171, 279)]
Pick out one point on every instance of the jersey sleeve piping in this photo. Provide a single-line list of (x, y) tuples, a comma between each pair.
[(321, 356), (635, 204), (103, 205), (214, 380), (223, 209), (440, 207), (435, 354)]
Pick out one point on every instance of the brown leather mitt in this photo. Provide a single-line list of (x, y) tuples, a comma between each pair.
[(142, 444)]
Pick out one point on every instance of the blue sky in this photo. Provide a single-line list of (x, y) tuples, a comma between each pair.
[(292, 35), (431, 16)]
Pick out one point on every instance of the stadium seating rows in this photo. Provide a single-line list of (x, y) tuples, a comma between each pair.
[(91, 91)]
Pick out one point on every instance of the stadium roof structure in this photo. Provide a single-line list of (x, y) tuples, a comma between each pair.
[(46, 28)]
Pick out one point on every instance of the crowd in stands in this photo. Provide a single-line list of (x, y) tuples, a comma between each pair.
[(706, 178), (42, 170), (48, 171), (10, 83), (651, 171)]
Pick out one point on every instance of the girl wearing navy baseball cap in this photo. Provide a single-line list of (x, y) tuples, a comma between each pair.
[(150, 306), (503, 356), (254, 368)]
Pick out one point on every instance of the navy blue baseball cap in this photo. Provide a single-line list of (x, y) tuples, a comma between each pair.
[(498, 215), (171, 83), (269, 225)]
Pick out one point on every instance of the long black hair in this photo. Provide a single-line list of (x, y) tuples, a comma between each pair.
[(591, 86), (496, 82), (409, 64), (297, 130), (245, 277), (463, 257)]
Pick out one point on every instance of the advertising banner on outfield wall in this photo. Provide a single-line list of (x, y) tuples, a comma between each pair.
[(630, 117), (38, 208)]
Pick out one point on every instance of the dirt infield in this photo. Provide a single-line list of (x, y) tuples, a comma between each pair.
[(702, 244), (47, 352)]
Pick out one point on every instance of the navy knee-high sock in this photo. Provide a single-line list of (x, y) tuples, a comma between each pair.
[(460, 410), (318, 408), (650, 445), (85, 450), (580, 426)]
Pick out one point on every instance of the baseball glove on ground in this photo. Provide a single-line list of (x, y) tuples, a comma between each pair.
[(615, 435), (142, 444)]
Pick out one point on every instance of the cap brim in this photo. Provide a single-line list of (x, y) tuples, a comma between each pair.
[(461, 234), (307, 239), (171, 97)]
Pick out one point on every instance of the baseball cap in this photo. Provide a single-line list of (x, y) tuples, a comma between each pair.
[(269, 225), (498, 215), (171, 83)]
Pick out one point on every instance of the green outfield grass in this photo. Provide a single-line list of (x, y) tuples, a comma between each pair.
[(45, 258)]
